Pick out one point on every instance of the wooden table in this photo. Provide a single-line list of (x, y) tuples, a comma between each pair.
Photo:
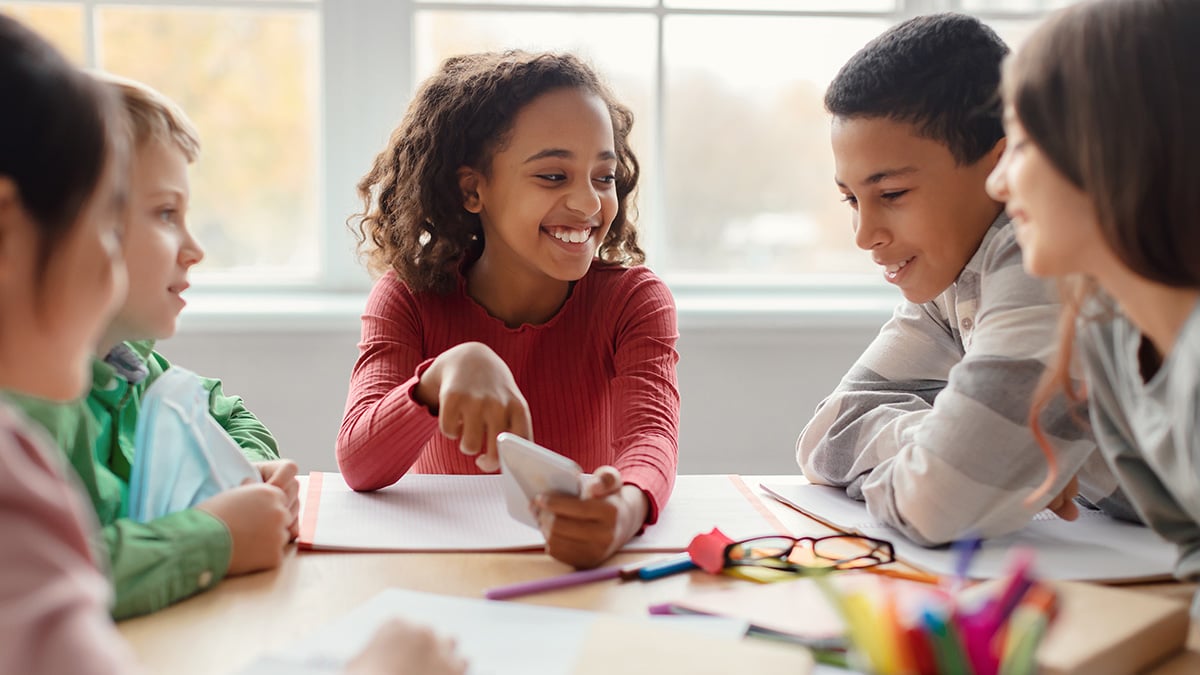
[(229, 627), (244, 617)]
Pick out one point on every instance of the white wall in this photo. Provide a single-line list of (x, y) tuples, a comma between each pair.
[(747, 391)]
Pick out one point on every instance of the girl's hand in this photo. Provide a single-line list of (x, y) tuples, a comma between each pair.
[(584, 532), (402, 648), (473, 393), (257, 518), (282, 474), (1063, 505)]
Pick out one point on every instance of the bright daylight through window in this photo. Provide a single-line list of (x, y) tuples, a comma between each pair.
[(737, 189)]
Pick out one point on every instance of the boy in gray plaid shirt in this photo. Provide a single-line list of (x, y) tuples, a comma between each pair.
[(930, 425)]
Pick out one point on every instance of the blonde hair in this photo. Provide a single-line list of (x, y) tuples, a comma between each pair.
[(152, 116)]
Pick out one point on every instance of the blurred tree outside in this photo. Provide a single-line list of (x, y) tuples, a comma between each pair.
[(61, 25), (248, 80)]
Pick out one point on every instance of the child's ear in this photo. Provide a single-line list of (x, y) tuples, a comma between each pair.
[(992, 158), (468, 184), (11, 211)]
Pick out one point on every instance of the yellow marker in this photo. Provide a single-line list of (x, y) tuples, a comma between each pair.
[(868, 633)]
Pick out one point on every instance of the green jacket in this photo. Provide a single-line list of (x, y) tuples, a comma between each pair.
[(163, 561)]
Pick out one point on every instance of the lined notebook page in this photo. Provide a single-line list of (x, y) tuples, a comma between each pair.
[(420, 513), (426, 512), (700, 503), (1093, 548)]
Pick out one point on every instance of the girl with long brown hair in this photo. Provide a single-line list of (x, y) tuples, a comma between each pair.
[(1102, 178), (513, 298)]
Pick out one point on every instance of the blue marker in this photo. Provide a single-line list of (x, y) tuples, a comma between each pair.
[(661, 568)]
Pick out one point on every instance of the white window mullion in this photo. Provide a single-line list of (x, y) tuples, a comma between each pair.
[(651, 229), (366, 80), (92, 56)]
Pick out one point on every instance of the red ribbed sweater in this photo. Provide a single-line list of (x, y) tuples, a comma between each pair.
[(599, 378)]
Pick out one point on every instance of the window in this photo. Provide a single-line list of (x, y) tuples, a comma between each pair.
[(247, 75), (293, 98)]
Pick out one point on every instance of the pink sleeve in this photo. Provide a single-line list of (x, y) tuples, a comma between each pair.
[(53, 601), (646, 390), (384, 428)]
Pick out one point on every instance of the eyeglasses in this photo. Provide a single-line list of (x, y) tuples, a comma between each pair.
[(801, 554)]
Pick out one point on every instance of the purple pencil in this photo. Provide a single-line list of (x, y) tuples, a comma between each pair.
[(563, 581)]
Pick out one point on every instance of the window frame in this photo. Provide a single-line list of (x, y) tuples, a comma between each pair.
[(356, 37)]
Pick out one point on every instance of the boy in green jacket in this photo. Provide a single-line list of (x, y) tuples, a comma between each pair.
[(244, 529)]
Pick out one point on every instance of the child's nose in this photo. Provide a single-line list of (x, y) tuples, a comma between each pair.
[(869, 230), (191, 252), (584, 199)]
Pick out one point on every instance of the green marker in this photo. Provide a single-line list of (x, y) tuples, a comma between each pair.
[(947, 647)]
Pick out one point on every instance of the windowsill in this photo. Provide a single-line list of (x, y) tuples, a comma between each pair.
[(290, 312), (284, 311)]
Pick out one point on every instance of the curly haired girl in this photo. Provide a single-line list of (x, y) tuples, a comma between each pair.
[(512, 298)]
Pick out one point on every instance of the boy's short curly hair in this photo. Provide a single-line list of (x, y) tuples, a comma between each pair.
[(939, 72), (413, 220)]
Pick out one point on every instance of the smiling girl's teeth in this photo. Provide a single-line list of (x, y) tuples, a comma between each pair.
[(892, 269), (571, 235)]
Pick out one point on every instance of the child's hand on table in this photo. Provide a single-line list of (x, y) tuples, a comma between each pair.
[(402, 648), (1063, 505), (282, 474), (584, 532), (257, 517)]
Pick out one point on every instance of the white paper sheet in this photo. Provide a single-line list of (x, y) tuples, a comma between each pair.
[(1093, 548), (700, 503), (424, 512), (497, 638)]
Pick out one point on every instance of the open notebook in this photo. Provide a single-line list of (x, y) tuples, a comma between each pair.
[(1092, 548), (427, 512)]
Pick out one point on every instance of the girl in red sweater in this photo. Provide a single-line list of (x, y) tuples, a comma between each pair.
[(512, 298)]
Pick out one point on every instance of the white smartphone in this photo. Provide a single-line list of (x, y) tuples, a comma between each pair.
[(529, 470)]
